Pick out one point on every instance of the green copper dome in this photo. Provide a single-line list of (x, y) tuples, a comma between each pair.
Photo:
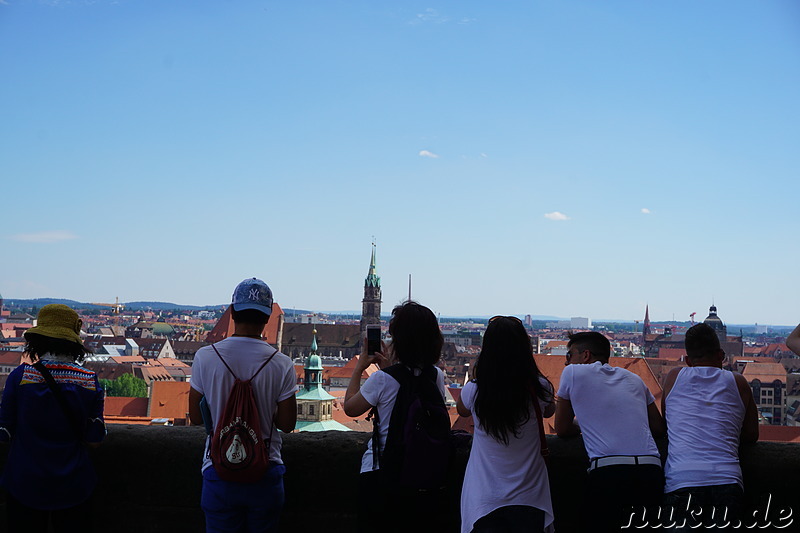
[(313, 362)]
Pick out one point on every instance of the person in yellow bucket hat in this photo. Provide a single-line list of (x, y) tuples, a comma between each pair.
[(51, 411)]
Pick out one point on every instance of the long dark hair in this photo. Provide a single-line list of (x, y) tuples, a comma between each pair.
[(506, 374), (416, 338)]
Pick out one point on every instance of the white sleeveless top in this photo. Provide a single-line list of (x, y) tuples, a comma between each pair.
[(704, 421)]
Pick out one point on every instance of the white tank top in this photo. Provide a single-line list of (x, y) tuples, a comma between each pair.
[(704, 421)]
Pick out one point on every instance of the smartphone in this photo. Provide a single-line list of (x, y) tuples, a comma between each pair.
[(373, 339)]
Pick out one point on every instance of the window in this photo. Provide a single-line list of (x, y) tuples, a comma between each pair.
[(299, 408), (311, 410)]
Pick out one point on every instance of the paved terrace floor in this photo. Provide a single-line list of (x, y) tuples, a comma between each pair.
[(150, 480)]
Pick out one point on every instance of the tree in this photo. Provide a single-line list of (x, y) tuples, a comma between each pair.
[(126, 385)]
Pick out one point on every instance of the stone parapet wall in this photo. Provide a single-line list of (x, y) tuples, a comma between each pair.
[(150, 480)]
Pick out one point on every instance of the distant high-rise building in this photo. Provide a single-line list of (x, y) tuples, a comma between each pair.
[(371, 304), (580, 322)]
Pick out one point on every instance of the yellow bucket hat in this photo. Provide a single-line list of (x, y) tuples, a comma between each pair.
[(58, 321)]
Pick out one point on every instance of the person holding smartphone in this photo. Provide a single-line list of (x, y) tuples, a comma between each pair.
[(416, 343)]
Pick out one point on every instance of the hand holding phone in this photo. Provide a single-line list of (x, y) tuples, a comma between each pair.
[(373, 339)]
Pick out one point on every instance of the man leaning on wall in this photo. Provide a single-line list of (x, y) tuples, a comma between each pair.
[(709, 411), (245, 507), (618, 418)]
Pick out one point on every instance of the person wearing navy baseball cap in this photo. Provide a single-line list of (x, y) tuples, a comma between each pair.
[(252, 293), (253, 499)]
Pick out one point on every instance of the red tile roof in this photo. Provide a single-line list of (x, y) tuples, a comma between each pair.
[(773, 348), (764, 372), (169, 399), (128, 420), (128, 359), (154, 373), (673, 354), (10, 358), (347, 370), (124, 406), (455, 392), (225, 328), (779, 433)]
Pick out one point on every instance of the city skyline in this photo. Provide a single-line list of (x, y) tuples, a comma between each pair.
[(575, 159)]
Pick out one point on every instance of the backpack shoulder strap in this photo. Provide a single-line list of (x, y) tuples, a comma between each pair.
[(231, 371), (59, 394), (399, 372), (263, 365)]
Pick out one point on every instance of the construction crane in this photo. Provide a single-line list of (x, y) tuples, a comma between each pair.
[(115, 307)]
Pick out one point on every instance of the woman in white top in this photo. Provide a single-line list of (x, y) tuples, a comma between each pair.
[(417, 345), (506, 487)]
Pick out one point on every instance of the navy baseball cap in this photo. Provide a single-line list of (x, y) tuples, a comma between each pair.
[(252, 293)]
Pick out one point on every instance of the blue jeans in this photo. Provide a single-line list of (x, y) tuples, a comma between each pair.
[(243, 507)]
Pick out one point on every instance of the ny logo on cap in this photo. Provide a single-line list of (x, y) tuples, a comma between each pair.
[(254, 294)]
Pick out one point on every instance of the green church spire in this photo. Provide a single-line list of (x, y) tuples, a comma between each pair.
[(373, 280)]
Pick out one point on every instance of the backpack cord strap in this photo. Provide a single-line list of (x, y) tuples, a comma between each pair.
[(263, 365), (62, 401), (231, 371), (376, 441), (223, 361)]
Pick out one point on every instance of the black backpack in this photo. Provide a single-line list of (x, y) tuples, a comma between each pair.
[(418, 450)]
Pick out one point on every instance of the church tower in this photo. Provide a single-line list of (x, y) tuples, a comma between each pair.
[(314, 403), (371, 304), (716, 323)]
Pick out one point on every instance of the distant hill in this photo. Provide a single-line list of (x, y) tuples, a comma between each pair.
[(167, 306), (129, 306), (39, 302)]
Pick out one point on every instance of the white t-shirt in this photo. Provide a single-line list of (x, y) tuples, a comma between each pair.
[(380, 390), (610, 404), (705, 414), (498, 475), (276, 382)]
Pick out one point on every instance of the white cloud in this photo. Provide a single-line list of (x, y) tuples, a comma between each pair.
[(45, 237), (430, 15), (645, 211), (556, 215), (426, 153), (484, 155)]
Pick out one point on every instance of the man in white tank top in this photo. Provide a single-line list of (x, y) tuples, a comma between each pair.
[(618, 417), (709, 411)]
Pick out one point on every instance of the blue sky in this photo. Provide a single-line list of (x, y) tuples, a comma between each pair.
[(563, 158)]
